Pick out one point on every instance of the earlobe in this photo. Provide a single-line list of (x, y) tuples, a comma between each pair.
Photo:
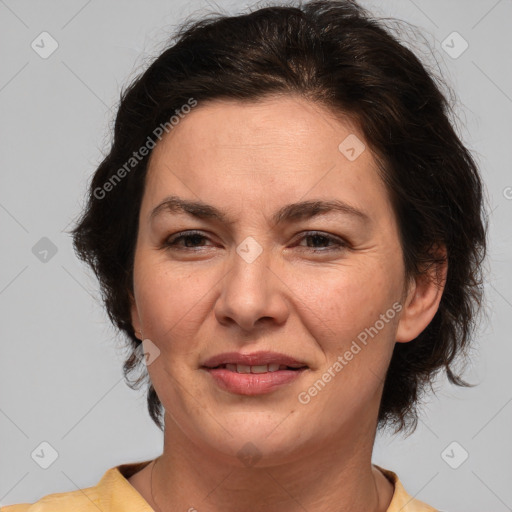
[(422, 300)]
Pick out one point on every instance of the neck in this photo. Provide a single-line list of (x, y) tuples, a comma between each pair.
[(337, 478)]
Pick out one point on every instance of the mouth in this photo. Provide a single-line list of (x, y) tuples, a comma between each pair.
[(260, 368), (253, 374), (257, 362)]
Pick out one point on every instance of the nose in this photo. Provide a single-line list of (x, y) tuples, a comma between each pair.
[(253, 295)]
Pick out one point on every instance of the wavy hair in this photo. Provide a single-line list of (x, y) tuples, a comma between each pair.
[(337, 54)]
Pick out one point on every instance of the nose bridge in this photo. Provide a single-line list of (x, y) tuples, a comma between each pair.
[(250, 291)]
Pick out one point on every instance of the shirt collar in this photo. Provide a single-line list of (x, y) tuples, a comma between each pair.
[(118, 495)]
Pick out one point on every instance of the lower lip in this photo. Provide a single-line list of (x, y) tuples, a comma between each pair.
[(252, 383)]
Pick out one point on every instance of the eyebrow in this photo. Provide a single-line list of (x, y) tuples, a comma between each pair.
[(289, 213)]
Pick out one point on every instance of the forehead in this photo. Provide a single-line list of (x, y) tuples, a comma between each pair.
[(285, 148), (263, 126)]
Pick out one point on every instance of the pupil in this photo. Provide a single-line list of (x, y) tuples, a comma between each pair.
[(317, 238), (191, 240)]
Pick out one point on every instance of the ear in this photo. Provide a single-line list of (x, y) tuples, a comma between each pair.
[(135, 316), (422, 299)]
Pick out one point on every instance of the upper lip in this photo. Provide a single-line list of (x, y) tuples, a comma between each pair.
[(254, 359)]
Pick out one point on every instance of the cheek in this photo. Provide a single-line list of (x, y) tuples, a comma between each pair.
[(342, 302), (171, 302)]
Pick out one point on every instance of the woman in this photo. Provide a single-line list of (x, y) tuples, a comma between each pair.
[(290, 234)]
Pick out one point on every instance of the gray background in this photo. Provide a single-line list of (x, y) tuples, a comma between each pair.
[(60, 366)]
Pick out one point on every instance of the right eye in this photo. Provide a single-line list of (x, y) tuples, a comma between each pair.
[(191, 239)]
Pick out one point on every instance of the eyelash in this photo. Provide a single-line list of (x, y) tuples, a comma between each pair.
[(171, 242)]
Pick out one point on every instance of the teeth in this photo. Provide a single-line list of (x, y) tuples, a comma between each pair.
[(263, 368), (259, 369), (243, 368)]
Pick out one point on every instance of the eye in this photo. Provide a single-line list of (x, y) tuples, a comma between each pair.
[(318, 242), (191, 240)]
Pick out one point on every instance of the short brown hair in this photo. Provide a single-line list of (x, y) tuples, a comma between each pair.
[(335, 53)]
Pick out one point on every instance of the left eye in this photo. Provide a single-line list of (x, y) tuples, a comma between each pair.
[(323, 239)]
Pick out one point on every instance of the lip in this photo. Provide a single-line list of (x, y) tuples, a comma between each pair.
[(254, 359), (252, 383)]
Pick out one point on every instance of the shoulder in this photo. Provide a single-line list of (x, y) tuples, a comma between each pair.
[(401, 500), (83, 500), (113, 493)]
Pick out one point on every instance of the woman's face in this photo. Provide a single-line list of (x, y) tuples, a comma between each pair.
[(250, 273)]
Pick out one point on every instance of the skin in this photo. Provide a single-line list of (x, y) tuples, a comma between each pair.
[(249, 159)]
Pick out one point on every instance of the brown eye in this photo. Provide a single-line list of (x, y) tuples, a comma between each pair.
[(184, 240), (322, 242)]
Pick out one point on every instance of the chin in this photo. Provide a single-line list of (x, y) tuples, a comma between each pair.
[(252, 438)]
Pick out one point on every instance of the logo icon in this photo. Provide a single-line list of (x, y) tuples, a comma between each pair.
[(44, 250), (249, 454), (249, 249), (351, 147), (44, 45), (454, 455), (147, 351), (44, 455), (455, 45)]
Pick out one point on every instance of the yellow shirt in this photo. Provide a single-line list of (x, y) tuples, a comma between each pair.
[(114, 493)]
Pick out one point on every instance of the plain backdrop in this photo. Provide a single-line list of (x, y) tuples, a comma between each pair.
[(60, 365)]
